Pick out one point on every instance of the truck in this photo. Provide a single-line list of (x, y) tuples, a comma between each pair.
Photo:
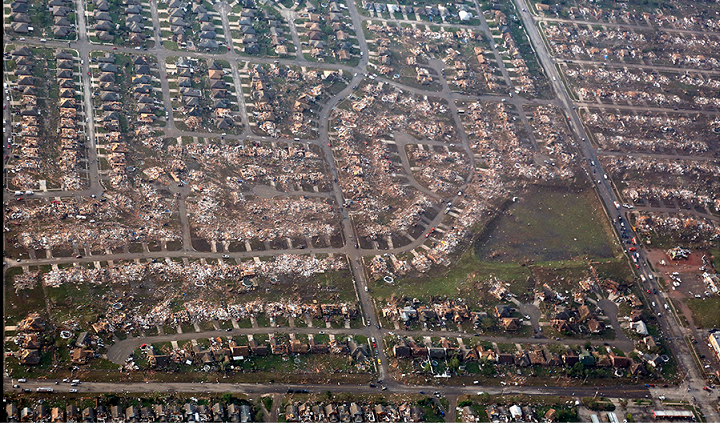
[(44, 390)]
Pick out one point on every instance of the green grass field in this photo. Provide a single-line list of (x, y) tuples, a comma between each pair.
[(706, 311), (548, 235), (548, 224)]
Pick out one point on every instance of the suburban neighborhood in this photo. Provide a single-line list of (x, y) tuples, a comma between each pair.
[(479, 211)]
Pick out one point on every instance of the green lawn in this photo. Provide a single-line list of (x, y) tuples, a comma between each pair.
[(548, 224), (533, 241), (706, 311), (460, 279), (19, 305)]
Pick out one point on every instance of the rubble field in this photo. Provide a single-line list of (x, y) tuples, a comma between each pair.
[(131, 297), (94, 225), (641, 86), (675, 16), (576, 41), (676, 134)]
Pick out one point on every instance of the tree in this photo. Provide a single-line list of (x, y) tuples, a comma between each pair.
[(226, 398), (567, 416), (487, 368), (454, 363), (427, 367)]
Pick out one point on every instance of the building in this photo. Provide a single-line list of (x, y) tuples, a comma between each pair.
[(714, 340), (673, 414)]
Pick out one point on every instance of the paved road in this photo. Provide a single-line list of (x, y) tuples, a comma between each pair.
[(256, 389), (120, 350)]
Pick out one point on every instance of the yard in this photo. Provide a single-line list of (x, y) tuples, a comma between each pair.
[(705, 311)]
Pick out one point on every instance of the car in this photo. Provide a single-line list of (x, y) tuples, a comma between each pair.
[(228, 329), (15, 386), (73, 391), (114, 48), (78, 256), (227, 256), (20, 199), (648, 290), (89, 73), (27, 390), (422, 392), (384, 387), (373, 385)]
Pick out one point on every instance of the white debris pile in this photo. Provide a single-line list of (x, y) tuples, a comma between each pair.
[(94, 223), (195, 273), (26, 280), (609, 142), (441, 172), (629, 166), (683, 226), (643, 192), (264, 219)]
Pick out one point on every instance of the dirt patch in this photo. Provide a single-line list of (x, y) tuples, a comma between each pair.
[(693, 263)]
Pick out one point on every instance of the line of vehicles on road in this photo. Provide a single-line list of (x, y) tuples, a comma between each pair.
[(74, 382)]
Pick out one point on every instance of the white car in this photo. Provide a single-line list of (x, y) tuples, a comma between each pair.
[(73, 390)]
